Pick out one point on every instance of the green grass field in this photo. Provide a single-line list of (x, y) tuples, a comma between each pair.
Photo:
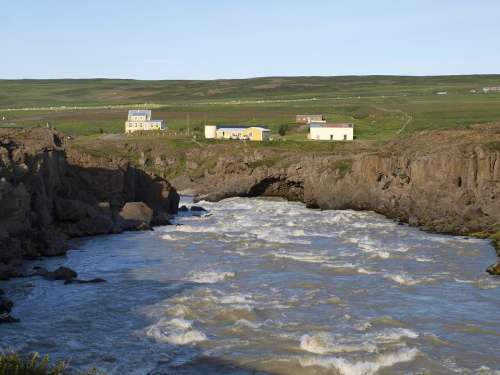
[(382, 107)]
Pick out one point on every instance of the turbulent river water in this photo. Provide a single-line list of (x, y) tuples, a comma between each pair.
[(267, 286)]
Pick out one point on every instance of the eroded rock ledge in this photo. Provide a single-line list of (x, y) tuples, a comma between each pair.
[(48, 195), (446, 181)]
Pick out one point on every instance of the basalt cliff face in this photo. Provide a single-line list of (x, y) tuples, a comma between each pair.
[(48, 195), (445, 181)]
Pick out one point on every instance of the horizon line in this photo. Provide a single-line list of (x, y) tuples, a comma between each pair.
[(253, 77)]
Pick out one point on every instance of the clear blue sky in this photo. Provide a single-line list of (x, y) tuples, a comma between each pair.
[(205, 39)]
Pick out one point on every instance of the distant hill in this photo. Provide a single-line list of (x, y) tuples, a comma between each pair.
[(88, 92)]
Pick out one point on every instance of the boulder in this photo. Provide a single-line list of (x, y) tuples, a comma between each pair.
[(5, 305), (137, 211), (198, 209), (183, 208), (494, 269), (64, 273), (61, 273), (6, 318), (161, 219)]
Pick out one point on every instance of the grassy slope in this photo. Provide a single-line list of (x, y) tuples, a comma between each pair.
[(379, 105)]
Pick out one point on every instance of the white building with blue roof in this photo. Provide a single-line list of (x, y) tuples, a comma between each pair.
[(140, 120)]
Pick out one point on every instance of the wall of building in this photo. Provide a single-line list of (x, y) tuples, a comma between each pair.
[(252, 133), (134, 126), (332, 134)]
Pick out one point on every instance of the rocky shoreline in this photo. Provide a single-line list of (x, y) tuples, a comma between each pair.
[(48, 195), (442, 181), (445, 181)]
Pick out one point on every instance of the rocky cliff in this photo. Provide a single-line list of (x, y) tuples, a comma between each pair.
[(443, 181), (48, 195), (446, 181)]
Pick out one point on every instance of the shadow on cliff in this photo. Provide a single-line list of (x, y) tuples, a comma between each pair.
[(119, 185)]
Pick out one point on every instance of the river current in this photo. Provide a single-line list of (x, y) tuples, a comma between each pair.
[(267, 286)]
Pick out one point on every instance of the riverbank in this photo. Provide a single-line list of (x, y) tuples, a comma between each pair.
[(268, 286), (48, 195), (442, 181)]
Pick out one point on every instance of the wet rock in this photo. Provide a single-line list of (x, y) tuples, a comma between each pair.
[(183, 208), (5, 304), (61, 273), (161, 219), (8, 271), (6, 318), (198, 209), (64, 273), (494, 269), (5, 308)]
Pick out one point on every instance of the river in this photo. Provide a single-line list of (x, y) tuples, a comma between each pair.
[(267, 286)]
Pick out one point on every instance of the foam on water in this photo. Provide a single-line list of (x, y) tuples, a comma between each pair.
[(347, 367), (175, 331), (394, 334), (210, 277), (323, 343), (274, 284)]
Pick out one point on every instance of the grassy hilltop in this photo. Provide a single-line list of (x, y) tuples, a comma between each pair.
[(382, 107)]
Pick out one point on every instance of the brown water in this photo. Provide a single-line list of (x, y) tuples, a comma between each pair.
[(267, 285)]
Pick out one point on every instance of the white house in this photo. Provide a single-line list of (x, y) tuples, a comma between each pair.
[(331, 132), (140, 120)]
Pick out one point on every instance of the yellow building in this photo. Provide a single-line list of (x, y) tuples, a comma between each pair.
[(140, 120), (250, 133)]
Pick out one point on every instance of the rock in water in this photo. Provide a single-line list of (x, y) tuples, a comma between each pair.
[(198, 209), (61, 273), (183, 209), (137, 211), (5, 304), (494, 269), (5, 308)]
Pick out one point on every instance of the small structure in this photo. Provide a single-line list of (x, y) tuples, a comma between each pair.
[(240, 132), (491, 89), (331, 132), (442, 93), (210, 131), (308, 119), (140, 120)]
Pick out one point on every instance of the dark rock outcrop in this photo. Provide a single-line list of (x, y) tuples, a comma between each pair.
[(48, 194), (5, 308), (197, 209), (494, 269)]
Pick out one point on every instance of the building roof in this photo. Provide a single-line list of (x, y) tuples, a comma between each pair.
[(232, 128), (321, 125), (241, 127), (139, 112)]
